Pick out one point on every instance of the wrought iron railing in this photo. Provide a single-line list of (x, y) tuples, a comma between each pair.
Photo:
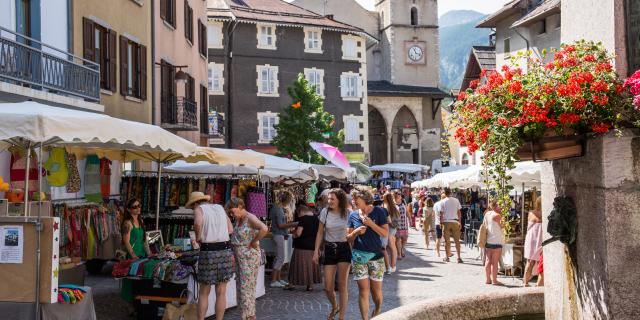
[(29, 62), (179, 113)]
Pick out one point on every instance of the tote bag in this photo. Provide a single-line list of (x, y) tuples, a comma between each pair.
[(482, 234)]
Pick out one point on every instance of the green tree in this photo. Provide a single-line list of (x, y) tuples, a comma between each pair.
[(304, 121)]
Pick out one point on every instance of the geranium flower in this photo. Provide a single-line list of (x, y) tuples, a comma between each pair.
[(569, 118), (600, 127), (589, 58)]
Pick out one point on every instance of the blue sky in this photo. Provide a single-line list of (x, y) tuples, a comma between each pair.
[(484, 6)]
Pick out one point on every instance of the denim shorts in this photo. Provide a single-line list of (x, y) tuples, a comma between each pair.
[(493, 246)]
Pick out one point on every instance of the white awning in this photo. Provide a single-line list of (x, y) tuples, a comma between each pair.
[(400, 167)]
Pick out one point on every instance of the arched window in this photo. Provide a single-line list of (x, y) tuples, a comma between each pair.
[(414, 16), (465, 159)]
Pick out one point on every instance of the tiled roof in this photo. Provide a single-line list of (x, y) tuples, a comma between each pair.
[(486, 57), (279, 12), (547, 8), (386, 88)]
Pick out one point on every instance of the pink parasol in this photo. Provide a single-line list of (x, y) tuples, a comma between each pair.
[(332, 154)]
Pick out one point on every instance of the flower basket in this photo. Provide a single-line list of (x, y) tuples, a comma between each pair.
[(553, 146)]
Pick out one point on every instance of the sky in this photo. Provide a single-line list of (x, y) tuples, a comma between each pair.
[(484, 6)]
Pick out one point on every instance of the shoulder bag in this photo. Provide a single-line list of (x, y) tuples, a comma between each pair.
[(324, 233), (482, 234)]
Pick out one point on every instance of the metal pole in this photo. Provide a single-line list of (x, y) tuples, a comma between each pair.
[(158, 195), (26, 181)]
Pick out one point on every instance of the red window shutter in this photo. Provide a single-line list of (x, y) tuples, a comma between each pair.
[(163, 9), (123, 66), (112, 60), (88, 40), (143, 72)]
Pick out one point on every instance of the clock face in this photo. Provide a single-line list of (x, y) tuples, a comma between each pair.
[(415, 53)]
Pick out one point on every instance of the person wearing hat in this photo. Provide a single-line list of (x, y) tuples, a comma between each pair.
[(215, 260)]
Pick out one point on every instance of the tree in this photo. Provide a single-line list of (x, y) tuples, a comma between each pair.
[(304, 121)]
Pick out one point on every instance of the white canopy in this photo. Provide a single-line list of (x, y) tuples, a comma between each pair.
[(332, 172), (400, 167), (43, 124), (527, 173), (203, 167)]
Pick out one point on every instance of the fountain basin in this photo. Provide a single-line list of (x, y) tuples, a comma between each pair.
[(516, 301)]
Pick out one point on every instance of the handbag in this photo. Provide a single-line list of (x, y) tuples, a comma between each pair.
[(361, 257), (180, 312), (324, 233), (482, 234)]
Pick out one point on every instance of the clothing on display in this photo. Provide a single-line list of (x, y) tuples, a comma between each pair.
[(73, 177), (56, 166), (18, 171), (92, 180), (163, 269), (70, 293)]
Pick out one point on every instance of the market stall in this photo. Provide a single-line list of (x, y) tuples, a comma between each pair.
[(396, 175)]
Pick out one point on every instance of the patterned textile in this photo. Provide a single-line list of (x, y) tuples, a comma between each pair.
[(257, 204), (374, 269), (215, 266), (92, 180), (73, 179), (105, 177), (248, 262), (19, 172)]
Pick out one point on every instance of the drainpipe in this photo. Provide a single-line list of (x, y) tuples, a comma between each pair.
[(527, 42), (229, 63), (153, 63)]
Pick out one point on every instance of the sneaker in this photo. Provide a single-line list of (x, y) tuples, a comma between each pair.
[(392, 270), (276, 284), (284, 283)]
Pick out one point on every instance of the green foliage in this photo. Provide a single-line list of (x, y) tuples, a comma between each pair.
[(307, 123)]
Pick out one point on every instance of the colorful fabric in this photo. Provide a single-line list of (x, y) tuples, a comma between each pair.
[(57, 173), (215, 266), (248, 262), (92, 180), (105, 177), (257, 204), (18, 172), (373, 269)]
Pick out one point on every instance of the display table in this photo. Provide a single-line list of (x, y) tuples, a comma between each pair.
[(83, 310), (269, 246), (232, 300)]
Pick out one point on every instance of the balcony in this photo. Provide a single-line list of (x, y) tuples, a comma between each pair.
[(178, 114), (26, 62)]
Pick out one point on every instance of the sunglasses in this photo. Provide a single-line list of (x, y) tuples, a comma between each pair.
[(135, 207)]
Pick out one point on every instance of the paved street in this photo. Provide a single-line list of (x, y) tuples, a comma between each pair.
[(421, 275)]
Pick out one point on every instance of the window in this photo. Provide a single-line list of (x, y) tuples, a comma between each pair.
[(312, 40), (168, 12), (204, 110), (216, 79), (202, 38), (168, 89), (214, 35), (507, 47), (266, 126), (542, 27), (99, 46), (133, 69), (315, 78), (266, 36), (350, 86), (267, 81), (351, 128), (188, 22), (351, 47), (414, 16)]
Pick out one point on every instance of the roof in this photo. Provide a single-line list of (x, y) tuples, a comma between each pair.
[(480, 57), (510, 8), (547, 8), (386, 88), (278, 12)]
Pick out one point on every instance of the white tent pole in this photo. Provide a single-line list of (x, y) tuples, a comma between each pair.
[(158, 196), (26, 181)]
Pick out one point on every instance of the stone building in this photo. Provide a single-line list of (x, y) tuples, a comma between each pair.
[(404, 121), (257, 48)]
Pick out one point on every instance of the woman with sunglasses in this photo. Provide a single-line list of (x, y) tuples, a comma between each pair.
[(134, 242)]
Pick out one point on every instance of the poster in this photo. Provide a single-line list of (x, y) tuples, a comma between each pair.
[(11, 244)]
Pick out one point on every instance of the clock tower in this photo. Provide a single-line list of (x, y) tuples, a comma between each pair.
[(408, 48)]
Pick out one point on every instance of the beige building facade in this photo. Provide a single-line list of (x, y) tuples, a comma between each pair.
[(117, 36)]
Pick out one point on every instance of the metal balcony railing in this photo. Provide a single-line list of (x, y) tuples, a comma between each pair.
[(28, 62), (179, 114)]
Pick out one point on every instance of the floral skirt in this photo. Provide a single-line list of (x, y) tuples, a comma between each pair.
[(215, 266)]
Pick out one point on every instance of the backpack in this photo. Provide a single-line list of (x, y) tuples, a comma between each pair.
[(562, 221)]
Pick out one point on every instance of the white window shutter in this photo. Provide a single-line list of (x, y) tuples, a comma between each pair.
[(276, 83), (344, 86)]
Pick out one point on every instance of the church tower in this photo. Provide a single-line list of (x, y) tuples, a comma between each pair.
[(408, 48)]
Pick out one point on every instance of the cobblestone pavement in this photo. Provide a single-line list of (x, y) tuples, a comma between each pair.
[(421, 275)]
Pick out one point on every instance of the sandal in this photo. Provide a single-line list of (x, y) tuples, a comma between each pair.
[(333, 313), (446, 259)]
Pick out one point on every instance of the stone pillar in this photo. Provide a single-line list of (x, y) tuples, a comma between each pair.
[(602, 280)]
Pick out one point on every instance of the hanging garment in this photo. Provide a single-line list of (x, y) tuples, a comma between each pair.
[(105, 177), (57, 173), (257, 204), (73, 175), (18, 172), (92, 180), (311, 195)]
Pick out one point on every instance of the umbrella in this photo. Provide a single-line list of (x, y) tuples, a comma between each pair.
[(362, 171), (332, 154)]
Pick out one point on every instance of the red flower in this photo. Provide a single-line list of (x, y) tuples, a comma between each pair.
[(474, 84), (503, 122), (601, 100), (505, 68), (599, 86), (558, 56), (515, 87), (570, 62), (483, 134), (462, 96), (589, 58), (569, 49), (459, 135), (510, 104), (587, 77), (600, 127), (569, 118), (472, 147), (483, 72), (579, 103), (606, 66), (550, 66)]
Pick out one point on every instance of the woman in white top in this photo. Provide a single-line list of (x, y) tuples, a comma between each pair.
[(215, 260), (332, 232), (495, 240)]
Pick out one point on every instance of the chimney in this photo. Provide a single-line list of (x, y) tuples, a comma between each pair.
[(329, 16)]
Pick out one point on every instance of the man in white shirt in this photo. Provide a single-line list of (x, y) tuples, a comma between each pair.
[(450, 215), (438, 219)]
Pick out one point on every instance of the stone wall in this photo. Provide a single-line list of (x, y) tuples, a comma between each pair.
[(597, 278)]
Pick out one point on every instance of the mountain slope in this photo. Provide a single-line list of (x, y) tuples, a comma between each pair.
[(456, 40)]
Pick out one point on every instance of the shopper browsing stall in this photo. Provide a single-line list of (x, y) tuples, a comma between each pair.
[(215, 261), (302, 270), (280, 233)]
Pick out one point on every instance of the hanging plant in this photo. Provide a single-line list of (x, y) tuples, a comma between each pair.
[(576, 92)]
